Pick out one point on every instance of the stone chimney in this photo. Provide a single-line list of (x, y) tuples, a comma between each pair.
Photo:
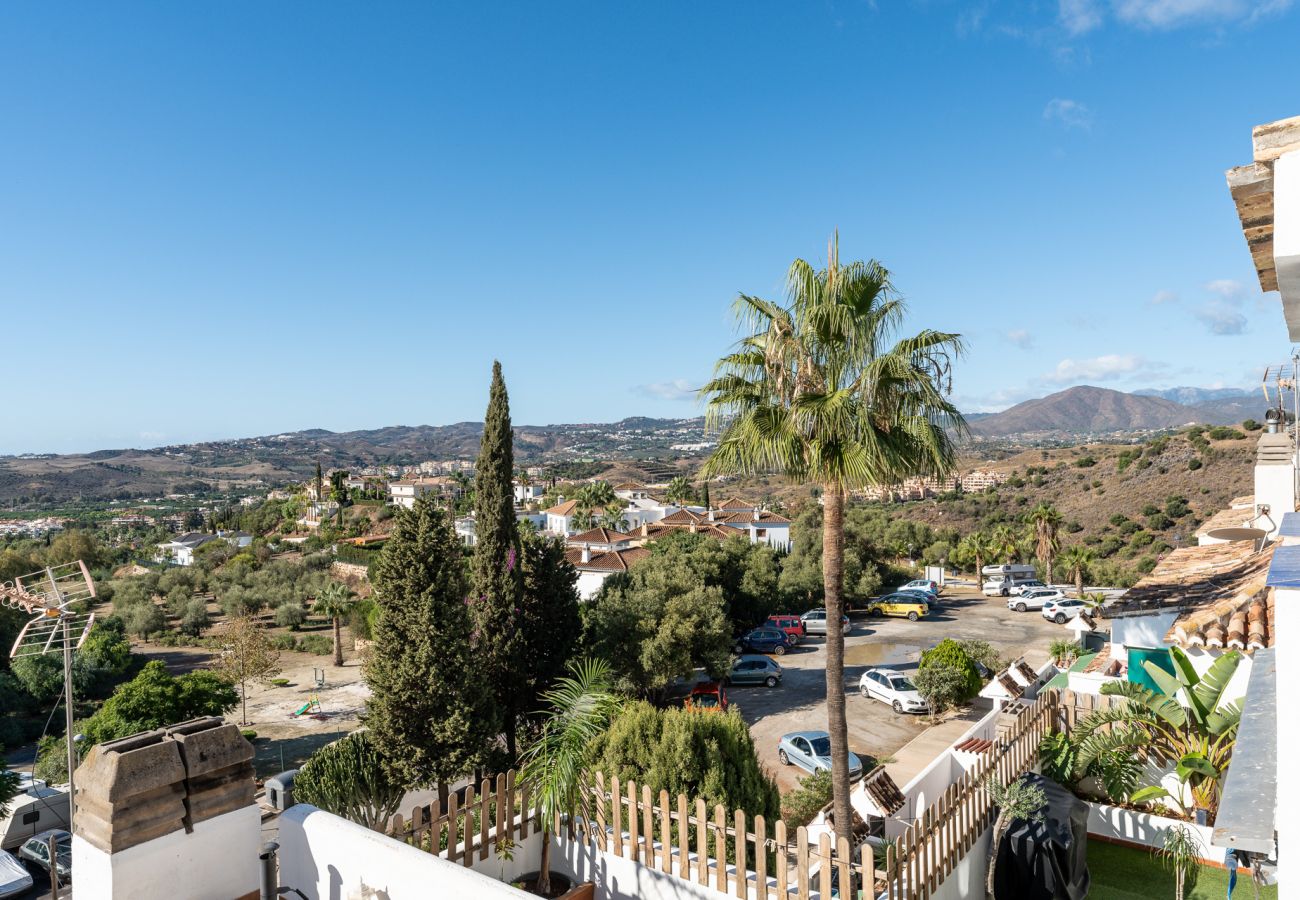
[(168, 812), (1274, 479)]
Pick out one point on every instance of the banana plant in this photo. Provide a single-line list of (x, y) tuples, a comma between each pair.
[(1184, 720)]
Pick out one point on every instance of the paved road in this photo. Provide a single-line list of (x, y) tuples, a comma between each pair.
[(874, 729)]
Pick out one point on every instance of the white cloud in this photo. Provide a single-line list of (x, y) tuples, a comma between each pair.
[(152, 435), (1111, 367), (1227, 288), (1162, 297), (1176, 13), (1221, 318), (1080, 16), (677, 389), (1021, 338), (1070, 113)]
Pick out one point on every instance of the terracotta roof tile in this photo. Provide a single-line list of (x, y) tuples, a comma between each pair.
[(600, 535), (974, 745), (883, 791), (614, 560), (683, 517), (563, 509), (1011, 686), (735, 504)]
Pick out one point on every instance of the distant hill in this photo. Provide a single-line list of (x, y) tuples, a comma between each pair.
[(1094, 410), (274, 459), (1194, 396)]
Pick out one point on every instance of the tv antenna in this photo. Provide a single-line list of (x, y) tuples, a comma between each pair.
[(55, 627)]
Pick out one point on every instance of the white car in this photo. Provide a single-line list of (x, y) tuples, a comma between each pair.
[(1063, 610), (14, 877), (1035, 599), (923, 584), (1023, 586), (893, 688)]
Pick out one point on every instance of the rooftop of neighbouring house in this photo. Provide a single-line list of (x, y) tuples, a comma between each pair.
[(1219, 591)]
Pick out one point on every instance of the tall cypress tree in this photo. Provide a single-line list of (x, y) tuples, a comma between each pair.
[(498, 580), (430, 713)]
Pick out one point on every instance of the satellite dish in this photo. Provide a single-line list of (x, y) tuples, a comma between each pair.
[(1231, 535)]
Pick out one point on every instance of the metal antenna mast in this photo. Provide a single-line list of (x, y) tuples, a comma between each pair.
[(55, 628)]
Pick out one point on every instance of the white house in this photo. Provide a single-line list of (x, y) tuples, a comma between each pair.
[(181, 549), (600, 540), (527, 493), (596, 566), (404, 492), (560, 517)]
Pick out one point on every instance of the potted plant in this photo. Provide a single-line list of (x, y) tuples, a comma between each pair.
[(580, 708)]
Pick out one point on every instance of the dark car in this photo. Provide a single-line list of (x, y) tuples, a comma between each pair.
[(763, 640), (36, 850), (791, 625)]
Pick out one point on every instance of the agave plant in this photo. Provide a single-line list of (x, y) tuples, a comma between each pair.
[(1196, 734)]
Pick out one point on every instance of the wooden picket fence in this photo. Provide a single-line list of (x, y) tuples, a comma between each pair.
[(929, 850), (731, 852)]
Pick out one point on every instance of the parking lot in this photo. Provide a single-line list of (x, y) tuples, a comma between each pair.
[(875, 730)]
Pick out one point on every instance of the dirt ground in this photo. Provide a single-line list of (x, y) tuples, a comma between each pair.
[(284, 740)]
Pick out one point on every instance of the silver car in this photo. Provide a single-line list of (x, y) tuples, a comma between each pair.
[(814, 622), (811, 751)]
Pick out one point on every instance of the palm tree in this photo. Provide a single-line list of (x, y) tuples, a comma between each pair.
[(614, 519), (1183, 720), (580, 708), (1006, 543), (818, 390), (1047, 527), (979, 548), (1076, 559), (335, 601), (1181, 853), (679, 491), (582, 519)]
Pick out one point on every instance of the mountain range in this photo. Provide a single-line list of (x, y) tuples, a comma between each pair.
[(1088, 410), (35, 481)]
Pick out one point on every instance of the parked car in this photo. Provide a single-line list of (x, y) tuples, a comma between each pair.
[(791, 625), (14, 879), (763, 640), (36, 850), (1031, 585), (889, 686), (1004, 586), (1034, 599), (811, 751), (755, 670), (924, 584), (931, 600), (814, 621), (1063, 610), (708, 695), (898, 604)]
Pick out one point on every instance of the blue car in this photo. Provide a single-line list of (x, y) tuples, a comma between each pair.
[(811, 751), (763, 640)]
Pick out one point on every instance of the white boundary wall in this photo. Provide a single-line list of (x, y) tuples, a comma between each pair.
[(1145, 828)]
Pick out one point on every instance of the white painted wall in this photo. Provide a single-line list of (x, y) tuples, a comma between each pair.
[(329, 858), (216, 861), (589, 583), (1140, 631), (1286, 622), (1145, 829), (967, 880), (619, 878)]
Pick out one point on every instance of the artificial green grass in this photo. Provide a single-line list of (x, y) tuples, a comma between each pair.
[(1121, 873)]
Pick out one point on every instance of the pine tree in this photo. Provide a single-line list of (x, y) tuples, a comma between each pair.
[(497, 576), (705, 495), (549, 622), (430, 712), (320, 484)]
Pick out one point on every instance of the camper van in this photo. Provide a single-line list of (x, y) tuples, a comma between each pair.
[(999, 580), (37, 807)]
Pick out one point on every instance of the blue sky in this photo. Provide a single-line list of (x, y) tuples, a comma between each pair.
[(233, 219)]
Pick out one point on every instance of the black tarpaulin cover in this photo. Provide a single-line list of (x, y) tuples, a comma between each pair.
[(1046, 860)]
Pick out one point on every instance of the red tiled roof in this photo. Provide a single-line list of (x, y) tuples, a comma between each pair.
[(682, 517), (600, 535), (882, 789), (614, 560), (1011, 686), (564, 509), (735, 504)]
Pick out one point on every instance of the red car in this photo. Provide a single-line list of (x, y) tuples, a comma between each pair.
[(791, 625), (708, 695)]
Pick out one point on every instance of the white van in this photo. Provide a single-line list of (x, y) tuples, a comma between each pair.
[(36, 808), (999, 581)]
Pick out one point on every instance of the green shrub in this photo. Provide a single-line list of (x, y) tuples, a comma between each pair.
[(700, 754), (1251, 425), (249, 735), (1225, 433), (1193, 464), (802, 805), (319, 644), (1085, 462), (279, 682), (949, 654)]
